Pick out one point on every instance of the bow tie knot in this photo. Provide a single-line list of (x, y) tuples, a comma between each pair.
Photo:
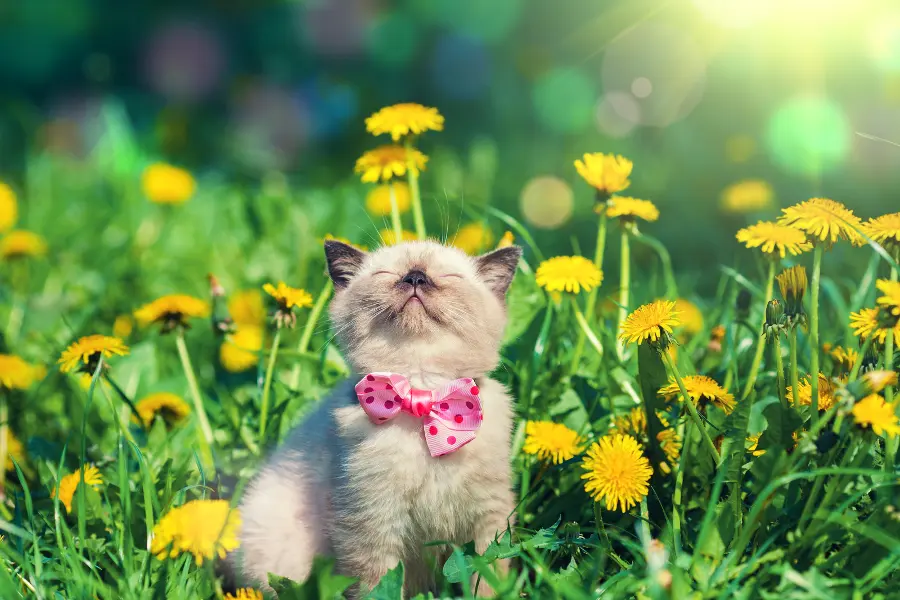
[(451, 414)]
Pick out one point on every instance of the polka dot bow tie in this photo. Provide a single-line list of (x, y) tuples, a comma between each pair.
[(451, 414)]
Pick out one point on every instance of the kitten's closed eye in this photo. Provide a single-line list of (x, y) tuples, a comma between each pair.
[(456, 275)]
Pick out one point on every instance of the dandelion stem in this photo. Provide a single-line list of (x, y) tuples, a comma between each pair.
[(591, 304), (206, 433), (624, 286), (586, 329), (860, 357), (795, 375), (4, 447), (814, 332), (418, 217), (395, 214), (890, 446), (761, 342), (267, 386), (692, 410), (310, 328), (779, 366)]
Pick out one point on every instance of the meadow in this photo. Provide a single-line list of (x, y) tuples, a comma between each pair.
[(163, 330)]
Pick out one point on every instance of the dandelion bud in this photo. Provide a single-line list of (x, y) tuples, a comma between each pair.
[(792, 283), (221, 319)]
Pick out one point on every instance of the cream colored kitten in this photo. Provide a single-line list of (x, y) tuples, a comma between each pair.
[(372, 495)]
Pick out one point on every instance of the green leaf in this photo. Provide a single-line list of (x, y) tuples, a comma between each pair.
[(390, 587), (781, 424), (652, 376), (525, 300), (458, 567), (543, 538), (321, 584), (570, 410)]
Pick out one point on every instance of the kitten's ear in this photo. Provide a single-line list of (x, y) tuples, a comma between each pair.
[(497, 268), (344, 261)]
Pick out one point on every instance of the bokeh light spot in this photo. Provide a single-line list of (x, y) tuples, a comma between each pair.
[(807, 135), (488, 21), (617, 114), (564, 100), (641, 87), (740, 148), (547, 202), (884, 44), (392, 39), (460, 67), (184, 61)]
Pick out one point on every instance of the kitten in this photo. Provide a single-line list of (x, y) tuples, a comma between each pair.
[(370, 494)]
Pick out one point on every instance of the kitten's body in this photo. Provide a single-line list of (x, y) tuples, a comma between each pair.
[(372, 495)]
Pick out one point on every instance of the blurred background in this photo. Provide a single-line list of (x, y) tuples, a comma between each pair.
[(700, 94)]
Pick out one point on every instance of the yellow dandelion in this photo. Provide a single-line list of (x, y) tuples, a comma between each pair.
[(245, 594), (700, 388), (551, 442), (386, 162), (9, 207), (240, 350), (872, 411), (167, 184), (650, 322), (691, 316), (343, 240), (891, 299), (247, 308), (401, 120), (15, 450), (750, 195), (867, 322), (205, 528), (85, 351), (473, 238), (843, 357), (774, 239), (288, 297), (634, 422), (629, 209), (608, 173), (389, 239), (171, 407), (22, 244), (171, 311), (753, 448), (823, 219), (885, 230), (670, 442), (16, 373), (69, 484), (617, 472), (568, 274), (123, 326), (876, 381), (507, 240), (378, 200), (804, 392)]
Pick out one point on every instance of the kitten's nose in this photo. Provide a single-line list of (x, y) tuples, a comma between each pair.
[(415, 278)]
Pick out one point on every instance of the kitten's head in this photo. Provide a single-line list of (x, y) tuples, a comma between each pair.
[(420, 306)]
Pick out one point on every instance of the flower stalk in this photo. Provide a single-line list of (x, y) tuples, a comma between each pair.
[(396, 224), (309, 329), (692, 410), (795, 371), (412, 172), (267, 386), (761, 342), (624, 287), (814, 331), (206, 433), (591, 304)]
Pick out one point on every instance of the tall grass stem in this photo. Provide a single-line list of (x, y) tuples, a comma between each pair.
[(309, 329), (267, 386), (624, 287), (814, 331), (761, 341), (206, 433)]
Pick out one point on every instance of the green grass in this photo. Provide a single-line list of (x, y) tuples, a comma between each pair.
[(811, 519)]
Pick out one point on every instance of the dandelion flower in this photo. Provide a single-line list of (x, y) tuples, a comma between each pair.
[(750, 195), (171, 311), (868, 322), (245, 594), (634, 422), (617, 472), (701, 387), (670, 442), (691, 316), (389, 239), (15, 450), (650, 322), (891, 299), (885, 230), (629, 209), (804, 392), (171, 407), (507, 240), (872, 411), (876, 381), (240, 351), (123, 326), (22, 244), (386, 162), (792, 283), (85, 351), (569, 274), (401, 120), (9, 207), (473, 238), (69, 483), (608, 173), (205, 528), (551, 442), (288, 297), (15, 373), (823, 219), (378, 200), (753, 448), (167, 184), (774, 239), (247, 308), (843, 357), (343, 240)]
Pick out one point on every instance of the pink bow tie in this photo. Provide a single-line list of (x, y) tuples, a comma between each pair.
[(452, 414)]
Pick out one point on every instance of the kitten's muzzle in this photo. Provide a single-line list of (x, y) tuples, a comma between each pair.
[(416, 279)]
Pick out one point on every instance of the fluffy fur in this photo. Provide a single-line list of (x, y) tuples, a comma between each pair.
[(372, 495)]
